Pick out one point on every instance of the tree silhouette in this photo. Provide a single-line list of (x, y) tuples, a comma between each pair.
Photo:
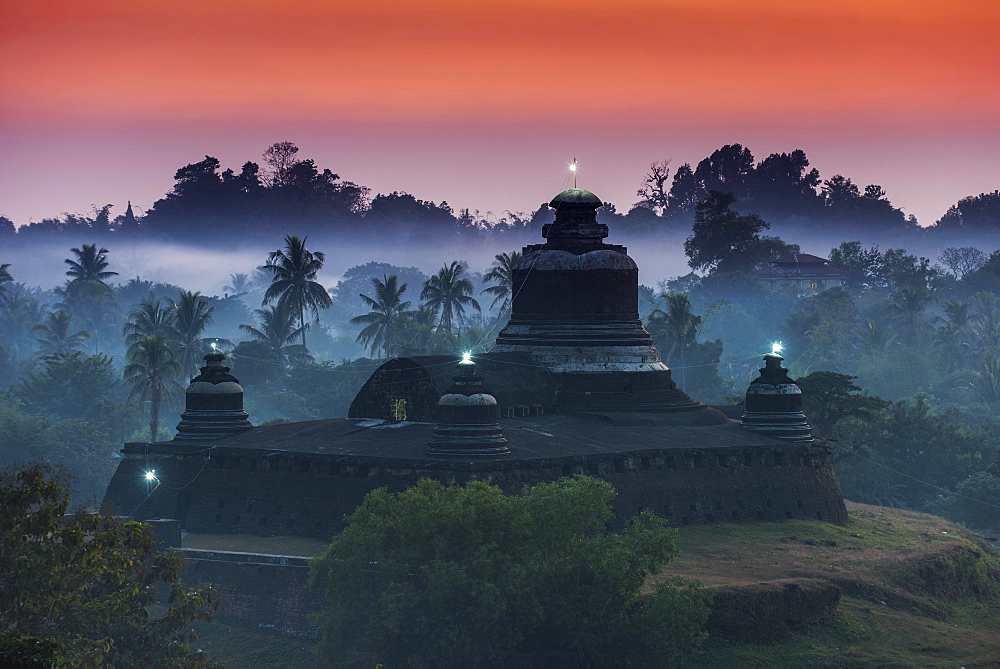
[(962, 260), (191, 315), (5, 278), (654, 190), (385, 307), (294, 285), (18, 315), (276, 329), (149, 318), (678, 322), (56, 334), (907, 305), (449, 294), (239, 284), (90, 265), (151, 375), (502, 273), (721, 238)]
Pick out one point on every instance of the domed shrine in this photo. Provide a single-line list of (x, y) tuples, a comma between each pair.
[(573, 385)]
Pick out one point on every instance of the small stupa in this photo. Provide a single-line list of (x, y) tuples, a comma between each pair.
[(467, 418), (774, 404), (213, 403)]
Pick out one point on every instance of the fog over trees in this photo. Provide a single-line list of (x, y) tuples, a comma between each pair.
[(306, 280)]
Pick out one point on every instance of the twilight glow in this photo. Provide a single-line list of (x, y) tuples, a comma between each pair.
[(484, 104)]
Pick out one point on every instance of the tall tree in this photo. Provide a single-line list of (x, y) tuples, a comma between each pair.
[(79, 587), (721, 238), (91, 264), (276, 330), (56, 334), (678, 324), (280, 157), (18, 315), (502, 274), (449, 293), (150, 318), (151, 376), (239, 285), (685, 191), (192, 315), (962, 260), (386, 307), (654, 189), (5, 278), (294, 284)]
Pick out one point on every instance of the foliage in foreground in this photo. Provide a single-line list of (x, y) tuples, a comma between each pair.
[(76, 590), (448, 574)]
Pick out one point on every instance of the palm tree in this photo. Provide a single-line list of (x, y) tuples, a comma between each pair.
[(56, 336), (678, 322), (90, 265), (875, 336), (191, 315), (293, 283), (276, 329), (385, 307), (985, 322), (502, 273), (239, 284), (5, 278), (949, 341), (151, 375), (18, 315), (907, 305), (449, 294), (149, 318), (957, 312)]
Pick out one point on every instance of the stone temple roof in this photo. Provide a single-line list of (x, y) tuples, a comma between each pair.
[(576, 196), (531, 439)]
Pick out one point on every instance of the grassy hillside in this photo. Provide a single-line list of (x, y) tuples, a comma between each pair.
[(915, 590)]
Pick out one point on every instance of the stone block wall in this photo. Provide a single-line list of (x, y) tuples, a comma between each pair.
[(297, 494)]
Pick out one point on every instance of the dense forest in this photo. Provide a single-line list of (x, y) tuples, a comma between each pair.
[(900, 366), (285, 191)]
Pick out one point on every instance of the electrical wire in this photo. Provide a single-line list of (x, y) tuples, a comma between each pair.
[(914, 478)]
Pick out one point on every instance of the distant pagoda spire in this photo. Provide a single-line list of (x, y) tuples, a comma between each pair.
[(129, 221)]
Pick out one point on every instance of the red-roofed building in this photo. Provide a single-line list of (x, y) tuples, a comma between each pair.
[(802, 273)]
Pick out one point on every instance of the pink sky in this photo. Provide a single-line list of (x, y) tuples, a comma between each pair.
[(484, 104)]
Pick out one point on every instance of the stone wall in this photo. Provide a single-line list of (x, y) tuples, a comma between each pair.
[(260, 592), (298, 494)]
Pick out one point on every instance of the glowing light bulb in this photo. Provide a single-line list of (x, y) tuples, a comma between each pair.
[(466, 358), (214, 346), (572, 168), (776, 347), (151, 475)]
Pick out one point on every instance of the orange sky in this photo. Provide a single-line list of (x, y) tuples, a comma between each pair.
[(77, 75)]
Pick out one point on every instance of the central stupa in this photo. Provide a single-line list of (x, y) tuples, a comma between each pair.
[(575, 311)]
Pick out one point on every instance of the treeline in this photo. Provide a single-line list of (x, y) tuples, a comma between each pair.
[(900, 366), (92, 363), (285, 191)]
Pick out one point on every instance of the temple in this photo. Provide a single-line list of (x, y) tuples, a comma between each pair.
[(572, 386)]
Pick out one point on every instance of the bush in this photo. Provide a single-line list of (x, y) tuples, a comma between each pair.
[(447, 574)]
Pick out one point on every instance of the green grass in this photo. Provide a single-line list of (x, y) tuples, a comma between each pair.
[(241, 648), (918, 590), (246, 543)]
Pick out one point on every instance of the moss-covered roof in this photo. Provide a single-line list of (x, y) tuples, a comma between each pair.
[(576, 196)]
